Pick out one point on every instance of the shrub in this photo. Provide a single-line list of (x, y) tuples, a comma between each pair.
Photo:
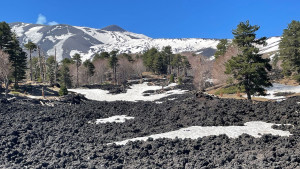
[(172, 78), (179, 81), (229, 90), (63, 91)]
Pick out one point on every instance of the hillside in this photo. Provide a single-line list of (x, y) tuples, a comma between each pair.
[(69, 40)]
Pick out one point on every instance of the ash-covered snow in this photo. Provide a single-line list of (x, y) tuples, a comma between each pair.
[(135, 93), (253, 128), (116, 119)]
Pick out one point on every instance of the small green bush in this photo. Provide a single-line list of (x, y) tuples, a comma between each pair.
[(63, 91), (297, 78), (179, 81), (229, 90), (171, 78)]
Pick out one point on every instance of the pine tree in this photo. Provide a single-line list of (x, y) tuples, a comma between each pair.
[(31, 47), (186, 65), (221, 48), (177, 63), (18, 60), (289, 49), (77, 59), (102, 55), (113, 63), (148, 58), (51, 69), (249, 69), (158, 63), (167, 52), (65, 78), (90, 68), (17, 57)]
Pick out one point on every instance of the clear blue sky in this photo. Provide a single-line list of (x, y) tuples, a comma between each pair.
[(160, 18)]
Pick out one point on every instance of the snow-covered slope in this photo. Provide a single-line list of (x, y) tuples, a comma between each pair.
[(69, 40)]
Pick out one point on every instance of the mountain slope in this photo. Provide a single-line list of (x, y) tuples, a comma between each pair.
[(69, 40)]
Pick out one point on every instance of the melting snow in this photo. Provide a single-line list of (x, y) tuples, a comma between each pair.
[(254, 128), (33, 34), (276, 88), (117, 119), (134, 94)]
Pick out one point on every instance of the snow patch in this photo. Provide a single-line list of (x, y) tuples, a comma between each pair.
[(33, 34), (276, 88), (254, 128), (136, 93), (116, 119)]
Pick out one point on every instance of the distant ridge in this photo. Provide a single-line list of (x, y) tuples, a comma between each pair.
[(115, 28)]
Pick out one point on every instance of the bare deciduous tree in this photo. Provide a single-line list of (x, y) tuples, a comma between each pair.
[(219, 65), (5, 70), (101, 68), (125, 70), (201, 70), (139, 67)]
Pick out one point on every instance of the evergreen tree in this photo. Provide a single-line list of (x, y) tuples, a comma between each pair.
[(36, 68), (102, 55), (177, 63), (289, 49), (77, 59), (167, 52), (90, 68), (51, 69), (113, 63), (221, 48), (158, 63), (65, 78), (17, 57), (6, 36), (186, 65), (249, 69), (148, 58), (31, 47)]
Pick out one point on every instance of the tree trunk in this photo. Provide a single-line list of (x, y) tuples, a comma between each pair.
[(30, 64), (6, 81), (115, 74), (77, 83), (248, 95)]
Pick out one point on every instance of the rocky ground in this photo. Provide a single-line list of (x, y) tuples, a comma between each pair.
[(61, 135)]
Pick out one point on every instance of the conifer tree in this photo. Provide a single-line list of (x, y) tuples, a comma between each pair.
[(77, 59), (64, 74), (31, 47), (158, 63), (113, 63), (289, 49), (221, 48), (90, 68), (177, 63), (51, 69), (167, 52), (17, 57), (248, 68)]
